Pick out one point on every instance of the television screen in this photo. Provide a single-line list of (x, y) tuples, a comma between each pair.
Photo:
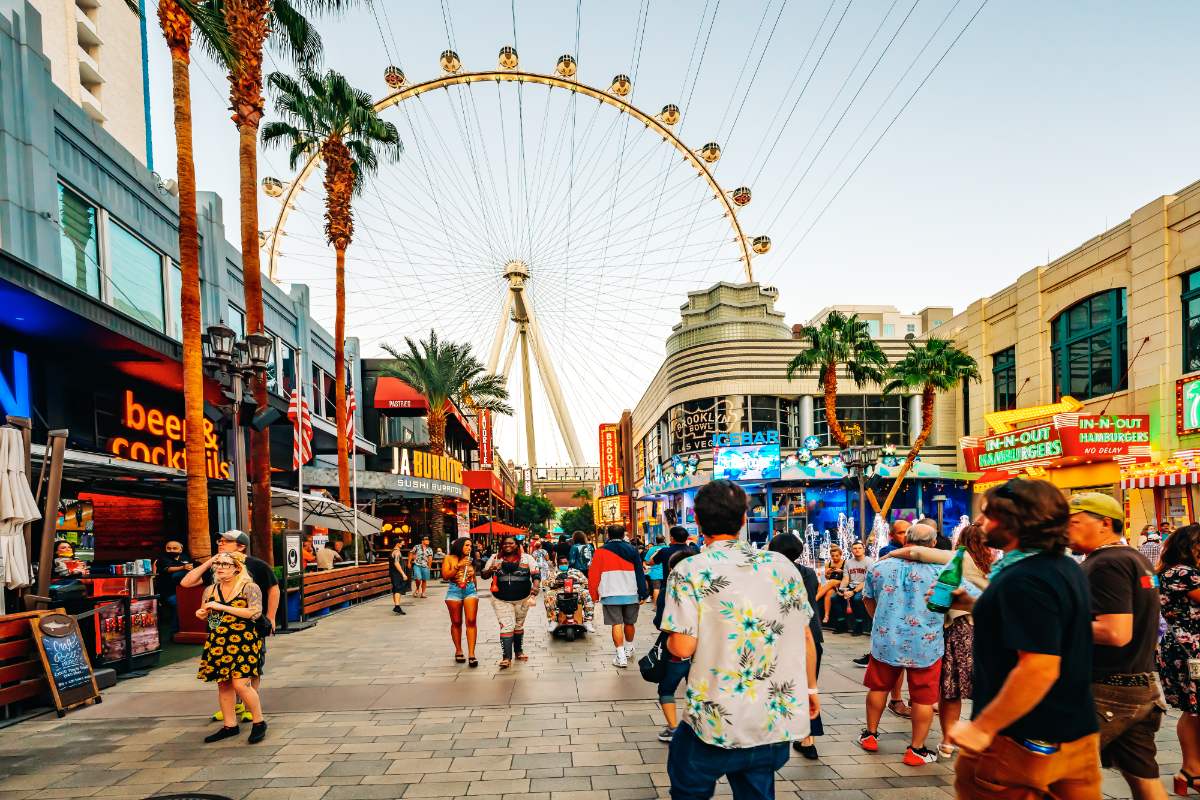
[(752, 463)]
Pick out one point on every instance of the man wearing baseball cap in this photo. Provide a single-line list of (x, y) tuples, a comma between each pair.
[(1125, 607), (235, 541)]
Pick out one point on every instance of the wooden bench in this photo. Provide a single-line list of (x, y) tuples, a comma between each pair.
[(21, 673), (349, 584)]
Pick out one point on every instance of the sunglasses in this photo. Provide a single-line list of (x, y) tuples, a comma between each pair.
[(224, 564)]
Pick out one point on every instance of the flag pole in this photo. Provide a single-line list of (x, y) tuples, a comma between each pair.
[(299, 435), (354, 472)]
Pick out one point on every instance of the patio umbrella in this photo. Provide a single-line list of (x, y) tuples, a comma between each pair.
[(17, 507)]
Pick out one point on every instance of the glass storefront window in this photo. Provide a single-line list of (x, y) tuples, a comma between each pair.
[(136, 278), (175, 300), (79, 245), (881, 418)]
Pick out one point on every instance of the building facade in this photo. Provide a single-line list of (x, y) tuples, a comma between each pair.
[(724, 378), (1115, 325), (887, 322), (89, 302)]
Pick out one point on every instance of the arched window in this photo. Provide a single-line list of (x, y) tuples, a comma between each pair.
[(1089, 345)]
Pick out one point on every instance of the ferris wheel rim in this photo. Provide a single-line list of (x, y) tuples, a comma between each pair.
[(409, 91)]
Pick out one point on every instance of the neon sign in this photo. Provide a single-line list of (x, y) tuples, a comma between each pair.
[(14, 387), (169, 431)]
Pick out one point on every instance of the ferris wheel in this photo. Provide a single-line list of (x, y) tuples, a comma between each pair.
[(538, 218)]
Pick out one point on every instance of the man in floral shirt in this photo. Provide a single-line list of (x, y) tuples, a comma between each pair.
[(905, 637), (742, 617)]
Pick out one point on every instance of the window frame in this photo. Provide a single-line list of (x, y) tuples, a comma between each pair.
[(1187, 295), (1006, 371), (106, 272), (1117, 331)]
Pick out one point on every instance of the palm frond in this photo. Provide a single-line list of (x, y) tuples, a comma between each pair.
[(293, 36)]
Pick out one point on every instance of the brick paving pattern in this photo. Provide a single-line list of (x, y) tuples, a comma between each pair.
[(368, 704)]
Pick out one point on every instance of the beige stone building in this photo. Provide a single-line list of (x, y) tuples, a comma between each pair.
[(95, 52), (1114, 323), (888, 322)]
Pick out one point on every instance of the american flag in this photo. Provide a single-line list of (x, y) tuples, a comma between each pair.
[(351, 407), (302, 431)]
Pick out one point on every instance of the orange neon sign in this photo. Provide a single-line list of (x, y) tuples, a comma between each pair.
[(172, 431)]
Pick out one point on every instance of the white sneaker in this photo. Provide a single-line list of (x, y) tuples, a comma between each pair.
[(589, 627), (621, 661), (551, 625), (628, 651)]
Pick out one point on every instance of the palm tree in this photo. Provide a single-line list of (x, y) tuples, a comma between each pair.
[(250, 23), (839, 341), (326, 115), (932, 366), (178, 20), (584, 494), (445, 372)]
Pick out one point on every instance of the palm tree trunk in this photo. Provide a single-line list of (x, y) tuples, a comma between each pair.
[(437, 446), (831, 387), (339, 367), (927, 398), (199, 542), (247, 23)]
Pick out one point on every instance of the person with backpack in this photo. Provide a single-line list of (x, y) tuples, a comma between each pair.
[(580, 552), (617, 580)]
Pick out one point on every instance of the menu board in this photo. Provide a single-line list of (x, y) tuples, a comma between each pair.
[(68, 670)]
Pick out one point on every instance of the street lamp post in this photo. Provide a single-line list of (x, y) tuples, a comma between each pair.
[(860, 462), (234, 360)]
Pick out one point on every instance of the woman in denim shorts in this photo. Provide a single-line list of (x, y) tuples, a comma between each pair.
[(461, 599)]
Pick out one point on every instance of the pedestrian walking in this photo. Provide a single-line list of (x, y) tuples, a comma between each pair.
[(1151, 545), (1033, 731), (462, 599), (906, 637), (545, 559), (579, 551), (516, 582), (616, 580), (790, 547), (419, 560), (399, 577), (742, 616), (235, 541), (1125, 610), (232, 655), (1179, 650), (654, 569), (676, 669)]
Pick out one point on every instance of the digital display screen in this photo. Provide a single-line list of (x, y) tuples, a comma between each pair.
[(753, 463)]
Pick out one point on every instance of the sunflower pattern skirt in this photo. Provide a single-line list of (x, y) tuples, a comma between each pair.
[(233, 649)]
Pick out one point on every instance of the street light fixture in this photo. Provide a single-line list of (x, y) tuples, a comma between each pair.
[(232, 362), (861, 462)]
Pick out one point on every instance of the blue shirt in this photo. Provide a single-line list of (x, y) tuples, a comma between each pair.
[(656, 570), (905, 633)]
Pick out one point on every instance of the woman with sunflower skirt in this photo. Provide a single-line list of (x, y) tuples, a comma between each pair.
[(233, 650)]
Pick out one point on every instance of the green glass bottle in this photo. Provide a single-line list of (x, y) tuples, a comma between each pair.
[(950, 579)]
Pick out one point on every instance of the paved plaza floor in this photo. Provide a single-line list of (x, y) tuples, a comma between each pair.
[(368, 704)]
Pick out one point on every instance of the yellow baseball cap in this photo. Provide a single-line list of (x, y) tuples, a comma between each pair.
[(1098, 503)]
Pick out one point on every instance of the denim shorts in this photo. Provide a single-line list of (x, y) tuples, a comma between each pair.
[(420, 573), (674, 675), (458, 593)]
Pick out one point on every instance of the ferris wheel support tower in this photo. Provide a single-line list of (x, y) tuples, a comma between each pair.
[(517, 309)]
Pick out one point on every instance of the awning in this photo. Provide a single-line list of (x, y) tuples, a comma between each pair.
[(396, 395), (1157, 481), (100, 470), (322, 512), (500, 528)]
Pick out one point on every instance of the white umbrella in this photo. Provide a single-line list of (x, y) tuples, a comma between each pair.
[(17, 507)]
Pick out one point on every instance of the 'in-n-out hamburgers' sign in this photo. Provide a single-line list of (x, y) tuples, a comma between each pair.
[(1068, 438)]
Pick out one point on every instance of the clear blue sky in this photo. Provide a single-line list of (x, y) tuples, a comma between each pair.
[(1044, 123)]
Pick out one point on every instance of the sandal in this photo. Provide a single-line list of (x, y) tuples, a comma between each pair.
[(459, 658), (946, 750), (505, 663), (472, 662), (898, 708), (522, 657), (1184, 781)]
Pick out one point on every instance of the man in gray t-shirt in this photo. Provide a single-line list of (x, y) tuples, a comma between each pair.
[(853, 580)]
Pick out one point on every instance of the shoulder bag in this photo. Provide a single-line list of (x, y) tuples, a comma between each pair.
[(653, 665)]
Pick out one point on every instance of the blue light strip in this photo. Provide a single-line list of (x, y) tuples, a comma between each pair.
[(146, 85)]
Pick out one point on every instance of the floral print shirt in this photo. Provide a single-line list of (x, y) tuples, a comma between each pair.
[(904, 632), (421, 556), (749, 613)]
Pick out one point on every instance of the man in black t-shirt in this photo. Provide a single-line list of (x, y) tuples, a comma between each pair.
[(1125, 608), (679, 542), (1033, 729)]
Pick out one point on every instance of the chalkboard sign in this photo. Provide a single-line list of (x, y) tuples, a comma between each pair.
[(68, 670)]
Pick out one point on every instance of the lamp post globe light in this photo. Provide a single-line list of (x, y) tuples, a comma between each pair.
[(232, 361), (861, 461)]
